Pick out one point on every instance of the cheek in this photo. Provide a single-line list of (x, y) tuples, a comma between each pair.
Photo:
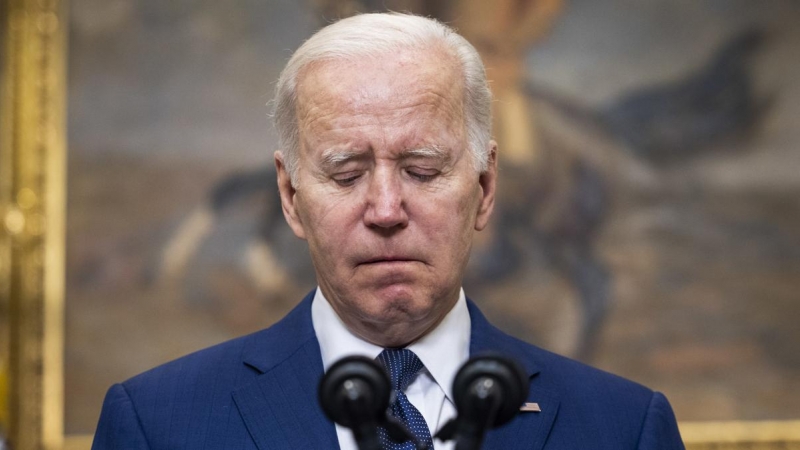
[(462, 207), (328, 224), (449, 221)]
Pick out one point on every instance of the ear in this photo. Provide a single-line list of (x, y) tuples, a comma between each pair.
[(488, 185), (288, 192)]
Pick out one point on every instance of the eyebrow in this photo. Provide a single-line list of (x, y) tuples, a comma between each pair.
[(430, 152), (336, 156)]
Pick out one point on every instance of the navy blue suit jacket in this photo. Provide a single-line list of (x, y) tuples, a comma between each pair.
[(260, 392)]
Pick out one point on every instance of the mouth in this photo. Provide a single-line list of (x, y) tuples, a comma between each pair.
[(387, 260)]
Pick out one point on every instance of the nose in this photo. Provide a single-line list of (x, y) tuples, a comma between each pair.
[(385, 203)]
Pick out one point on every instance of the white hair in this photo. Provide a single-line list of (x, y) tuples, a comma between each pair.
[(384, 34)]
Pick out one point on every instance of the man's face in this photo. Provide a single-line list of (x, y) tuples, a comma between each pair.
[(386, 191)]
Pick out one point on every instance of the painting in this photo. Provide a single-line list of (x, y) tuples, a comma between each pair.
[(649, 200)]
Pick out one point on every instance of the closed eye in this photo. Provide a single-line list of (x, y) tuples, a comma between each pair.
[(422, 175), (346, 179)]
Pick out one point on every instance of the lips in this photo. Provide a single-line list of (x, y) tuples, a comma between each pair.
[(387, 259)]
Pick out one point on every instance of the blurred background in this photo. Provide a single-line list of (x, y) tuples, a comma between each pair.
[(649, 215)]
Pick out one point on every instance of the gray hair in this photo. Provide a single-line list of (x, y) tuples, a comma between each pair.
[(381, 34)]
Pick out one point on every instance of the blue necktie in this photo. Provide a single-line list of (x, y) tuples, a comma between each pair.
[(403, 366)]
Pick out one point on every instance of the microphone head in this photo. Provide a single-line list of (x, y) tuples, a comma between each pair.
[(355, 390), (503, 376)]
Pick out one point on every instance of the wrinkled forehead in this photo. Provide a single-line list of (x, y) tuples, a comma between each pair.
[(372, 84)]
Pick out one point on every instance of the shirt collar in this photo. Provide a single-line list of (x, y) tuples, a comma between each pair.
[(442, 351)]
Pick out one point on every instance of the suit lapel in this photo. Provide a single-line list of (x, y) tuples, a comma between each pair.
[(279, 407), (529, 430)]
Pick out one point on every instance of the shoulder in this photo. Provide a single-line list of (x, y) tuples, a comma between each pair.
[(606, 409), (602, 408), (575, 380), (550, 370), (223, 367), (194, 367), (191, 398), (592, 405), (174, 400)]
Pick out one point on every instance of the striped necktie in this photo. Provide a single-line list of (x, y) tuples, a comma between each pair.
[(403, 366)]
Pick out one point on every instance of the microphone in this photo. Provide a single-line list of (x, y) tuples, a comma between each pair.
[(355, 392), (487, 392)]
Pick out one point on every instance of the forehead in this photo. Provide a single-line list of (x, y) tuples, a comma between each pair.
[(390, 91)]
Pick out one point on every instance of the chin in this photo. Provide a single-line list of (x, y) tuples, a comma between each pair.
[(401, 304)]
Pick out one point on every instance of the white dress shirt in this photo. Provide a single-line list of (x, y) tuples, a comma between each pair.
[(442, 351)]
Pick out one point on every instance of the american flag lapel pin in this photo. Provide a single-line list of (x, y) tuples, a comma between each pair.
[(530, 407)]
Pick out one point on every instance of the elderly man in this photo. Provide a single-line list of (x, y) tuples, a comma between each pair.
[(386, 170)]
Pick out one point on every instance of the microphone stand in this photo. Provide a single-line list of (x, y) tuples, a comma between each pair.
[(364, 428), (487, 392), (355, 393), (480, 410)]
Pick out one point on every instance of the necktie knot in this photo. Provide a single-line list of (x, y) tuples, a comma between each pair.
[(402, 364)]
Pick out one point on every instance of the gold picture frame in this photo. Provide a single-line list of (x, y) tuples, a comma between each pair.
[(32, 240), (32, 209)]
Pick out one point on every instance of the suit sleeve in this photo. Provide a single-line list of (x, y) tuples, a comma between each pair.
[(119, 427), (660, 429)]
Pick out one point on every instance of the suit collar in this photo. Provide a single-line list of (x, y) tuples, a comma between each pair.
[(279, 407), (269, 347), (486, 338), (529, 430)]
